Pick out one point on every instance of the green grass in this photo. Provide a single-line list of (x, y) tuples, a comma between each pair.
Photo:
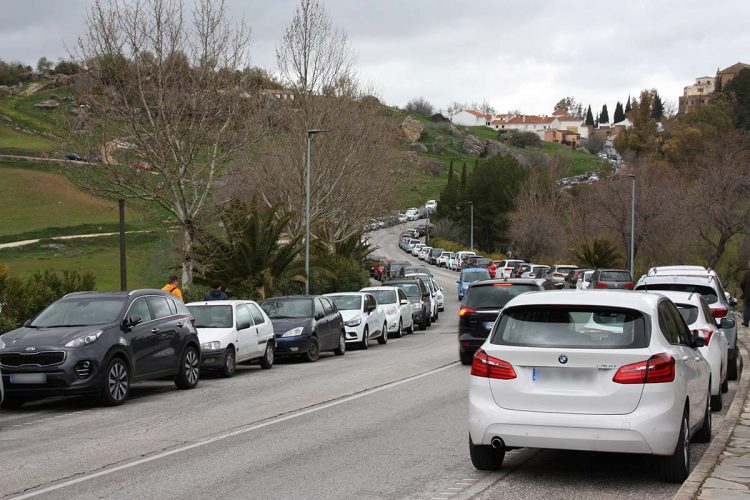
[(582, 161), (21, 110), (39, 198), (51, 232), (15, 142), (149, 259)]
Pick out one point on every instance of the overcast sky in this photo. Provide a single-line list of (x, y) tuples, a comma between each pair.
[(516, 54)]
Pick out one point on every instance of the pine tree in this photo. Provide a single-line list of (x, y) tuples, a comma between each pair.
[(619, 113), (589, 117), (604, 115), (462, 185), (627, 106), (450, 171), (657, 107)]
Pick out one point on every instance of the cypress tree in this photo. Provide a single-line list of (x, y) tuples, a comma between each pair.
[(619, 113), (627, 106), (450, 171), (604, 115), (657, 107), (589, 117), (462, 185)]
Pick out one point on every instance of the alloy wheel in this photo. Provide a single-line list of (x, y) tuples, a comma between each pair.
[(117, 381), (191, 366)]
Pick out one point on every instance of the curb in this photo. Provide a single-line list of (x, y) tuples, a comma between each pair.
[(693, 483)]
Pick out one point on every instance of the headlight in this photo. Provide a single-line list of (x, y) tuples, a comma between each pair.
[(211, 346), (391, 310), (294, 332), (2, 344), (85, 340), (416, 305), (353, 322)]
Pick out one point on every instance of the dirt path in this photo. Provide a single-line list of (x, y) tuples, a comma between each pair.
[(16, 244)]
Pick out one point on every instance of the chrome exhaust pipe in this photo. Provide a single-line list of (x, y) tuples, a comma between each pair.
[(497, 443)]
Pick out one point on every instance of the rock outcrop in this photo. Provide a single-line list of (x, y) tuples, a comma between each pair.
[(473, 146), (411, 129)]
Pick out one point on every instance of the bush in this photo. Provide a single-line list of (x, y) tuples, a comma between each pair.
[(22, 300), (521, 139)]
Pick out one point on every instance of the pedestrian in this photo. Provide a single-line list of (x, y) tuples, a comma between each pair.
[(216, 293), (745, 287), (172, 287)]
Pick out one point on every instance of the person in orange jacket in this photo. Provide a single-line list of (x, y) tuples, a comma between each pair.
[(172, 287)]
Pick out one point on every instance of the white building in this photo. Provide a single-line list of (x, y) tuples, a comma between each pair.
[(470, 118), (524, 123)]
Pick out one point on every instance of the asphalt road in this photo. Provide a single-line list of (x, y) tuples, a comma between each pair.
[(389, 422)]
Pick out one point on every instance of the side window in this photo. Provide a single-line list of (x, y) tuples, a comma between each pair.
[(319, 311), (328, 306), (401, 295), (370, 301), (172, 306), (140, 308), (159, 307), (244, 319), (709, 316), (257, 315), (683, 331), (666, 324)]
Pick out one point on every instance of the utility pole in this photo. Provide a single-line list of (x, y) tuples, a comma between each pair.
[(123, 270), (310, 134), (632, 226)]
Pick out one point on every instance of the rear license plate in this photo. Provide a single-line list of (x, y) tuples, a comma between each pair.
[(488, 325), (28, 378)]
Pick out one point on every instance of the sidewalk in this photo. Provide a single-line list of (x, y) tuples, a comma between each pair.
[(724, 471)]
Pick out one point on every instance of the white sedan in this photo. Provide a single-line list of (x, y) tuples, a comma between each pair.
[(363, 319), (597, 371), (231, 332), (395, 304), (697, 315)]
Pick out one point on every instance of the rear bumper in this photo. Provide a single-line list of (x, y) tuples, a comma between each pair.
[(469, 343), (653, 428)]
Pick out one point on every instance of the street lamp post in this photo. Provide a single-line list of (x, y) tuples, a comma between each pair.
[(632, 224), (471, 237), (310, 134)]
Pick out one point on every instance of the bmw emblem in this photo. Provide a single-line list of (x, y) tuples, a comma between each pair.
[(31, 348), (562, 359)]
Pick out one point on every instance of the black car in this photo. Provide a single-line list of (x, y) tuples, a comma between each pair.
[(483, 303), (100, 343), (305, 326), (391, 269), (420, 299), (407, 270)]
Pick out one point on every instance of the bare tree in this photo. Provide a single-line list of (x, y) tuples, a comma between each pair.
[(420, 106), (456, 107), (167, 110)]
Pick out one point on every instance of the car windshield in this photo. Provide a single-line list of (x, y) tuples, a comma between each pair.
[(497, 295), (347, 302), (289, 308), (483, 262), (477, 275), (615, 276), (83, 311), (410, 289), (587, 327), (384, 296), (565, 270), (689, 312), (212, 316), (707, 292)]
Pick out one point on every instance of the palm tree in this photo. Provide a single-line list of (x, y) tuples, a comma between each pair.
[(598, 253)]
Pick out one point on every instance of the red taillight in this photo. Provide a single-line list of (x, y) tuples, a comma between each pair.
[(508, 268), (657, 369), (466, 310), (629, 285), (601, 284), (489, 367), (503, 284), (718, 312), (706, 333)]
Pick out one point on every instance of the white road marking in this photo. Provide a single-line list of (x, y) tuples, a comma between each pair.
[(237, 432)]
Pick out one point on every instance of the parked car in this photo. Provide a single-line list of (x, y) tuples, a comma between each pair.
[(559, 272), (73, 157), (451, 262), (395, 305), (431, 205), (585, 279), (696, 313), (420, 299), (363, 320), (416, 249), (518, 271), (402, 218), (598, 371), (391, 269), (433, 255), (305, 326), (468, 276), (443, 258), (506, 267), (471, 261), (100, 343), (412, 213), (571, 280), (536, 272), (707, 284), (612, 279), (486, 263), (483, 303), (231, 332), (439, 296), (461, 258), (424, 253)]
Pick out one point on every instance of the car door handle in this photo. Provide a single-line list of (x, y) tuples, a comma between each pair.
[(179, 325), (154, 330), (685, 358), (697, 358)]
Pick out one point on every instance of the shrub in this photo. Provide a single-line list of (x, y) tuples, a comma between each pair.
[(522, 139)]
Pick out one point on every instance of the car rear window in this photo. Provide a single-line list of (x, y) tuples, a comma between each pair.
[(483, 262), (410, 289), (384, 296), (212, 316), (689, 312), (495, 296), (707, 292), (565, 269), (615, 276), (471, 276), (584, 327)]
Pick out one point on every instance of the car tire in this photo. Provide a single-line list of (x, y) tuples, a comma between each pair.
[(485, 457), (189, 369), (732, 367), (230, 363), (365, 342), (676, 467), (437, 314), (116, 386), (266, 362), (703, 435), (725, 385), (313, 350), (12, 403), (717, 402), (427, 320), (384, 337), (341, 349), (400, 332), (467, 358)]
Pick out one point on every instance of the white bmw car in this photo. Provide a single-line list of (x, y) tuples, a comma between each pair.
[(593, 371)]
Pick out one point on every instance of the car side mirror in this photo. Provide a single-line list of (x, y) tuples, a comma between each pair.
[(458, 282), (27, 322), (697, 339), (132, 321), (243, 326), (318, 316), (371, 308), (727, 323), (404, 302)]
